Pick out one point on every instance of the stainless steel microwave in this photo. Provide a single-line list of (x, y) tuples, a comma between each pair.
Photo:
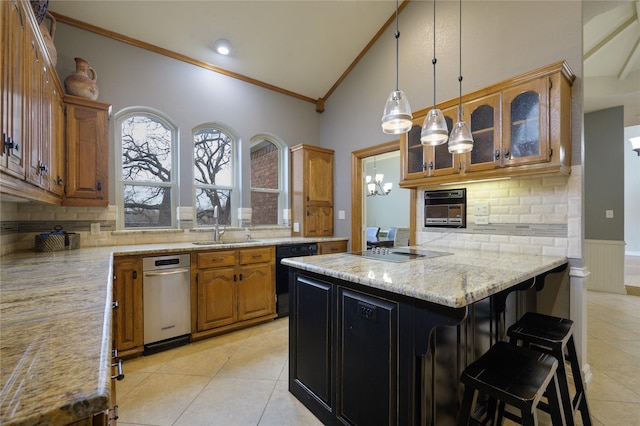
[(445, 208)]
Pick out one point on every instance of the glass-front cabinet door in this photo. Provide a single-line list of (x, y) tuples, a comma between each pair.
[(525, 137), (414, 166), (483, 117)]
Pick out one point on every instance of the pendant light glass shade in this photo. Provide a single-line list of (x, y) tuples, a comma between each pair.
[(397, 114), (461, 140), (397, 117), (434, 129)]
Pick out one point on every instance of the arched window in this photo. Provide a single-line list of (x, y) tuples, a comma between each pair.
[(146, 178), (214, 175), (268, 180)]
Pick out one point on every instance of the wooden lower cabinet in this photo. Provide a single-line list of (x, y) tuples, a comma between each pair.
[(216, 298), (127, 299), (328, 247), (234, 289)]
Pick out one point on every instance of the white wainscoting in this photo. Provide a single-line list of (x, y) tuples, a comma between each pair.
[(605, 261)]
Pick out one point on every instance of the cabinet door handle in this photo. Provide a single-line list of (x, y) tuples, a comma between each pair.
[(115, 305), (99, 186), (308, 198), (430, 165), (235, 278), (118, 364), (159, 274), (8, 144), (43, 168), (240, 277), (497, 154), (506, 153), (59, 181), (135, 274), (115, 413)]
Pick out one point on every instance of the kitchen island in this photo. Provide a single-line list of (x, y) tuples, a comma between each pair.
[(373, 341)]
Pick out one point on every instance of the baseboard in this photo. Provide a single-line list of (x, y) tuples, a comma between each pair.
[(632, 290)]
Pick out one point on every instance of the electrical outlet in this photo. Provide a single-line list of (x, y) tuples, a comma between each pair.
[(482, 220), (608, 214), (296, 227), (95, 229)]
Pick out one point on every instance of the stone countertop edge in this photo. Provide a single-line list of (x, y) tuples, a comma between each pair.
[(55, 328), (456, 280)]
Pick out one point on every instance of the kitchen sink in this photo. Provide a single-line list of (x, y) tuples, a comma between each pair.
[(222, 243)]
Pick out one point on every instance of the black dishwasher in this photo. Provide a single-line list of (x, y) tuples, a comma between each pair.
[(282, 272)]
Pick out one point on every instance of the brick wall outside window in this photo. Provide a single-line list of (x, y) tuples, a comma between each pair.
[(264, 174)]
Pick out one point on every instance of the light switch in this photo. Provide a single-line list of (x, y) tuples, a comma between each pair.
[(608, 214), (481, 209), (341, 214), (296, 227)]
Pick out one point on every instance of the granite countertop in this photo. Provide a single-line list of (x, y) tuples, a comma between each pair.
[(55, 328), (456, 280)]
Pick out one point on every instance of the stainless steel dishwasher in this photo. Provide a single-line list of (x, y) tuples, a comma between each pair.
[(166, 302)]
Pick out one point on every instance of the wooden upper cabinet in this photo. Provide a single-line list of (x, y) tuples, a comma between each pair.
[(87, 152), (311, 191), (32, 152), (483, 117), (520, 127), (13, 88), (319, 176), (525, 137)]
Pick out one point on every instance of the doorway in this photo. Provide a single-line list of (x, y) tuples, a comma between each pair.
[(358, 159)]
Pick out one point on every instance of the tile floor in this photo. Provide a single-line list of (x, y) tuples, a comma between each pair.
[(241, 378)]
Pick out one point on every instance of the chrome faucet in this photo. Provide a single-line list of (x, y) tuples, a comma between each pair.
[(217, 233)]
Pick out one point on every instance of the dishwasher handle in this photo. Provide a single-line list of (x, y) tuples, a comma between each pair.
[(171, 272)]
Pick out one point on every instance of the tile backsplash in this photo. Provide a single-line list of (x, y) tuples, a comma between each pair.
[(20, 222), (536, 215)]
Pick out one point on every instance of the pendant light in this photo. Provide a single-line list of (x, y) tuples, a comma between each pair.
[(460, 140), (434, 129), (397, 116)]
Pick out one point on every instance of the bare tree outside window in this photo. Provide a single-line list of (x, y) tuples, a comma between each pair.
[(146, 172), (213, 174)]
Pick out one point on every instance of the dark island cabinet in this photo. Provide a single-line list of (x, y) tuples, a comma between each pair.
[(367, 359), (359, 355), (356, 355)]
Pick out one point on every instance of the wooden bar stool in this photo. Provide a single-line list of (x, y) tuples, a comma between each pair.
[(555, 336), (511, 375)]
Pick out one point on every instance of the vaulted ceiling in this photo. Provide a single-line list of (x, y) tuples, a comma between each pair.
[(612, 57), (305, 46)]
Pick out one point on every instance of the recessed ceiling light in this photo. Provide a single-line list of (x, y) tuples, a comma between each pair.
[(222, 46)]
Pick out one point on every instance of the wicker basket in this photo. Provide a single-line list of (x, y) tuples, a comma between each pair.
[(57, 241)]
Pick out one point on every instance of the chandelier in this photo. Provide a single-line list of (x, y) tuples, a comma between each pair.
[(374, 184)]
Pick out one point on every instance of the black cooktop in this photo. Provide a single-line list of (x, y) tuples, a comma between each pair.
[(398, 254)]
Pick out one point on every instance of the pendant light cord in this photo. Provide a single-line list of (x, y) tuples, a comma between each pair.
[(460, 62), (434, 60), (397, 35)]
